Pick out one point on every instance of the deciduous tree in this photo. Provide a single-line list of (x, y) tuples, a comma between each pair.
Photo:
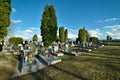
[(82, 35), (15, 40), (62, 34), (94, 39), (66, 35), (35, 38)]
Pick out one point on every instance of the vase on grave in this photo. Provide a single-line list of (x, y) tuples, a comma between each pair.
[(30, 59)]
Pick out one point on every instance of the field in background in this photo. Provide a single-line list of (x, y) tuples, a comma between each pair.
[(111, 43), (101, 64)]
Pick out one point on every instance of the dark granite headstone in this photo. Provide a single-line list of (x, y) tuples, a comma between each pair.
[(0, 47)]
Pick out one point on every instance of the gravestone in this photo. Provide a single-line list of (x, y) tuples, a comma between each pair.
[(66, 47), (20, 47), (16, 48), (49, 60), (55, 49), (26, 57), (0, 47), (87, 50), (83, 45), (50, 49), (72, 44), (28, 66), (35, 52)]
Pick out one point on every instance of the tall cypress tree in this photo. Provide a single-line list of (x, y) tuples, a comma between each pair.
[(49, 25), (66, 35), (62, 34), (5, 10), (108, 37)]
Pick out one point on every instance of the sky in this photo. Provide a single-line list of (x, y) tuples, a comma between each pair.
[(99, 17)]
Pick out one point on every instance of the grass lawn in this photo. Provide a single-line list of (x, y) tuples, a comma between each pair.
[(101, 64), (112, 43), (7, 66)]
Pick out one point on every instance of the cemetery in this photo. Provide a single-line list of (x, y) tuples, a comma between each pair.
[(29, 63), (37, 47), (35, 59), (82, 62), (32, 58)]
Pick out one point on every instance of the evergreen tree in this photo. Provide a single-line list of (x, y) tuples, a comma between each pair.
[(49, 25), (108, 37), (35, 38), (5, 10), (62, 34), (66, 35)]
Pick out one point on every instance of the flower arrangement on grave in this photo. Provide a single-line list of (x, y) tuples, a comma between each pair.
[(30, 58), (48, 54)]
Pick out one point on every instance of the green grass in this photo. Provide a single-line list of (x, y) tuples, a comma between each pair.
[(7, 68), (112, 43), (101, 64)]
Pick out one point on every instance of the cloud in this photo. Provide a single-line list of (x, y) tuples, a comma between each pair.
[(13, 10), (108, 20), (99, 21), (25, 36), (113, 27), (34, 28), (28, 36), (95, 33), (28, 31), (114, 31), (109, 33), (73, 31), (72, 35), (16, 21), (112, 19), (39, 36)]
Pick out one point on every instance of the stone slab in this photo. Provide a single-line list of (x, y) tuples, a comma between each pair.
[(29, 68), (50, 60)]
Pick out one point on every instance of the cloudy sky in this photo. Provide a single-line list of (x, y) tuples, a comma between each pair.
[(99, 17)]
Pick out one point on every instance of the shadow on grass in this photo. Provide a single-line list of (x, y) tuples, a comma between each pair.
[(70, 73), (40, 75)]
